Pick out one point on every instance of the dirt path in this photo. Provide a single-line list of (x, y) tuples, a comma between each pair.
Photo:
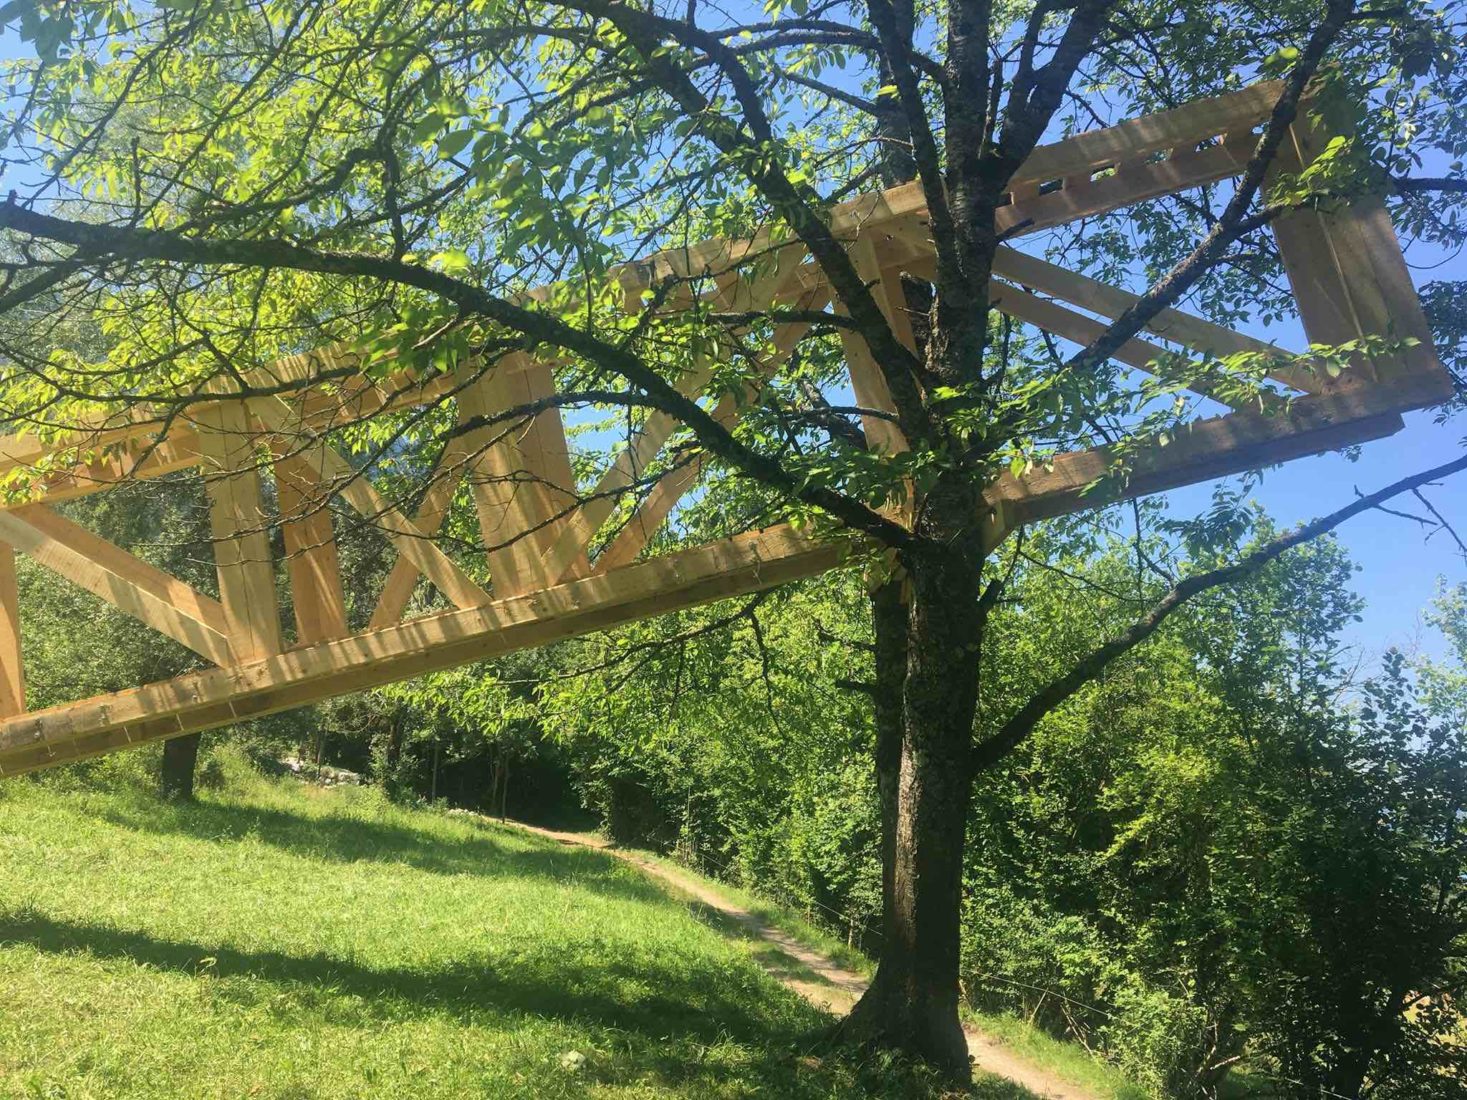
[(819, 979)]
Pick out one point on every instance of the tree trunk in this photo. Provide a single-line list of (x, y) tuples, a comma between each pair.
[(176, 778), (889, 628), (394, 749), (912, 1003)]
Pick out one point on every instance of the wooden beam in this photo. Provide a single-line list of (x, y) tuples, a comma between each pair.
[(1136, 139), (582, 525), (448, 473), (576, 534), (12, 668), (867, 380), (398, 589), (135, 460), (1082, 330), (1349, 277), (1202, 451), (128, 583), (311, 560), (736, 566), (1066, 323), (353, 487), (239, 526), (1131, 183), (522, 482), (1170, 324), (652, 512)]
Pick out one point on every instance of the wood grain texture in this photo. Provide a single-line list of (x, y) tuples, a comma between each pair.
[(311, 560), (12, 668), (239, 526), (128, 583)]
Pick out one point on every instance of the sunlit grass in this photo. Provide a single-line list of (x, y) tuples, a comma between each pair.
[(277, 940), (1067, 1061)]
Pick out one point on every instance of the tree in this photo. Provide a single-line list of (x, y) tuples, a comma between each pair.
[(406, 168)]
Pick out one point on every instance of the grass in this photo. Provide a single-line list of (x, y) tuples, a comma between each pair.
[(777, 916), (1066, 1060), (277, 940), (1069, 1061)]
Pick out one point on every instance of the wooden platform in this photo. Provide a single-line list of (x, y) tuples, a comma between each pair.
[(555, 570)]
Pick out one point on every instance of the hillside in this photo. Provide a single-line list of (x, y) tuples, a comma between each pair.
[(281, 940)]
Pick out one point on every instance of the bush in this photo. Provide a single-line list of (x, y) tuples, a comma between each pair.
[(227, 766)]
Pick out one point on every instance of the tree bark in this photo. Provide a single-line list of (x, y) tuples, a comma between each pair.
[(176, 777), (394, 743), (912, 1003), (889, 627)]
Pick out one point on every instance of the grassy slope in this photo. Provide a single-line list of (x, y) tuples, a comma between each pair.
[(1066, 1060), (281, 941)]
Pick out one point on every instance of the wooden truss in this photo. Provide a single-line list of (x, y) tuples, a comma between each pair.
[(540, 527)]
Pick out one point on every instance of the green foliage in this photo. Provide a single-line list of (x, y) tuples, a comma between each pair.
[(1227, 848), (732, 734)]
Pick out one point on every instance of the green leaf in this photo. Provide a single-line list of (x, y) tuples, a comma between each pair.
[(452, 261), (452, 143)]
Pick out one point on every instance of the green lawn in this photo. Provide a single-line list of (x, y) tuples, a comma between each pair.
[(278, 940)]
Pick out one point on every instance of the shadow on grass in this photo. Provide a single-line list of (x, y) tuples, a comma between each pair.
[(775, 961), (347, 839), (672, 1012), (635, 992), (674, 1008)]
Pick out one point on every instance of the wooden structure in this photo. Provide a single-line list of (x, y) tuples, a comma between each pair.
[(539, 526)]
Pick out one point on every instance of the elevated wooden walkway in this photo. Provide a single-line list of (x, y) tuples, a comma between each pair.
[(552, 572)]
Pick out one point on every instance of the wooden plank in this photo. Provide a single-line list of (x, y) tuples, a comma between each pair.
[(12, 668), (448, 473), (126, 447), (1170, 324), (239, 525), (582, 525), (128, 583), (21, 451), (311, 559), (1136, 139), (652, 512), (576, 534), (398, 589), (522, 482), (1072, 326), (137, 460), (1084, 331), (747, 563), (1349, 277), (356, 490), (867, 380), (1207, 449), (1131, 183)]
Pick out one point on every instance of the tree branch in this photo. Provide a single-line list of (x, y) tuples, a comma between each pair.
[(1415, 185), (1013, 732), (98, 241)]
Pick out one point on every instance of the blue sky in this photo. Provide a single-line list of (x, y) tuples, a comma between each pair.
[(1399, 567)]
